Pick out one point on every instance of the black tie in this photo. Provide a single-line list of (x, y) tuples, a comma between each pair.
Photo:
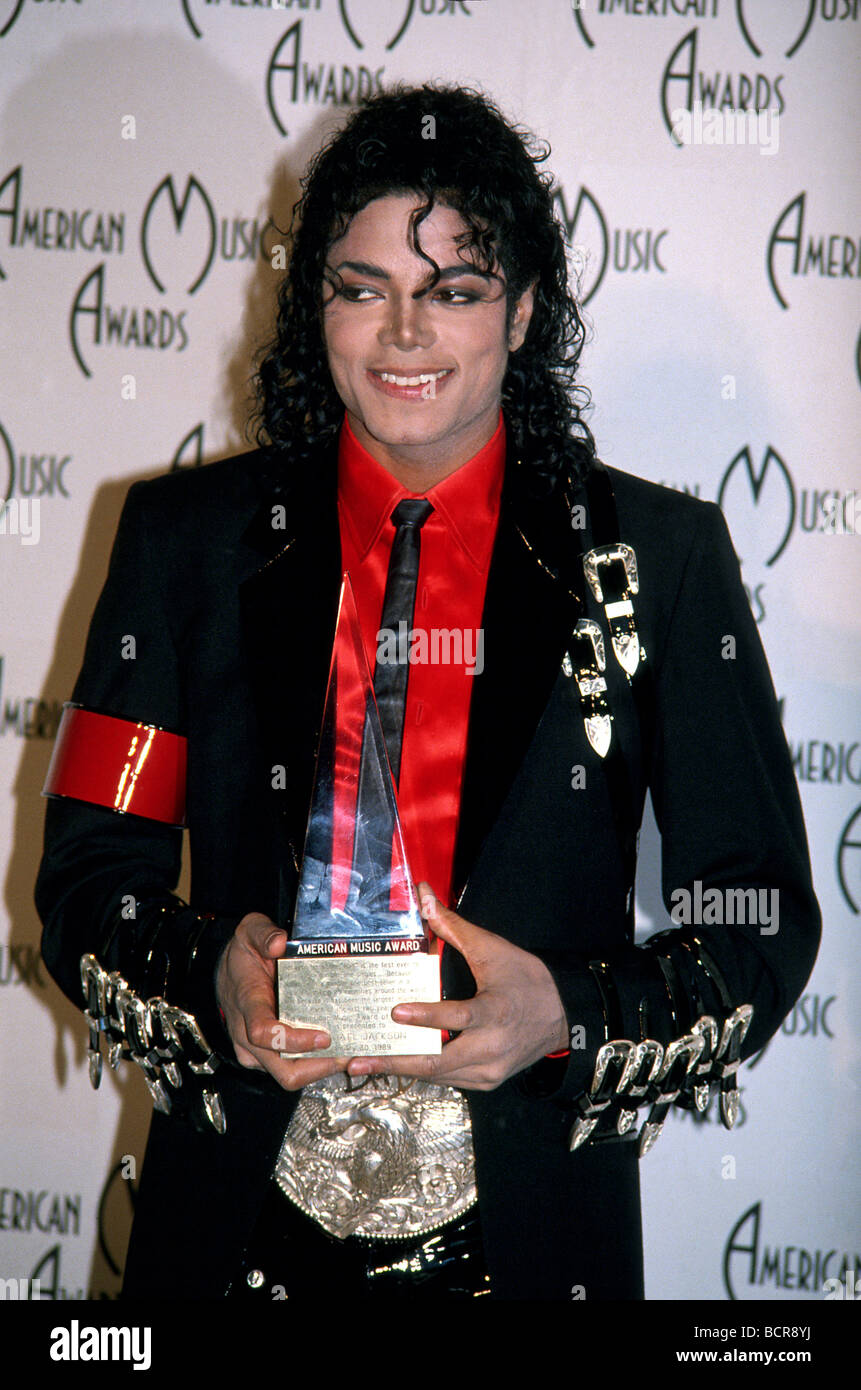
[(390, 677)]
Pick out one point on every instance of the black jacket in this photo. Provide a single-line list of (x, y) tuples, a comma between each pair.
[(233, 622)]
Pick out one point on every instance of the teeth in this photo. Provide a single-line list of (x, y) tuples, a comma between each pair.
[(412, 380)]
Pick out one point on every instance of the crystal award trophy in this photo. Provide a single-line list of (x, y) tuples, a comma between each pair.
[(358, 945)]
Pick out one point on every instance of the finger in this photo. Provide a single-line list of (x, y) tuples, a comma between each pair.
[(288, 1071), (267, 939), (469, 1050), (474, 1078), (301, 1073), (291, 1075), (246, 1058), (425, 1067), (472, 941), (266, 1032), (452, 1014)]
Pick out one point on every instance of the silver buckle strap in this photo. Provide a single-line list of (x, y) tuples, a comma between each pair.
[(621, 563), (159, 1037)]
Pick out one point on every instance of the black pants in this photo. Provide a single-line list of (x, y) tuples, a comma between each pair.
[(290, 1256)]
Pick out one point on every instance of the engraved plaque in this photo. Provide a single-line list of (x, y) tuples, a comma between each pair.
[(352, 997)]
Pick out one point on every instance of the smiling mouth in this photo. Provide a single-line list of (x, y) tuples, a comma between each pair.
[(421, 379)]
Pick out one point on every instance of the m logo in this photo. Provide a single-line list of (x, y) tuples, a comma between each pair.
[(791, 19), (587, 235), (158, 233), (365, 14), (742, 488)]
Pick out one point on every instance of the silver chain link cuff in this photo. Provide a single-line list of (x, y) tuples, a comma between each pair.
[(163, 1040), (628, 1075)]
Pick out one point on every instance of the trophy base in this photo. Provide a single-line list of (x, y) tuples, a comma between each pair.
[(351, 997)]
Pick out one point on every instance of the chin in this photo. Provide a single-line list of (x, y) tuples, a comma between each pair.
[(404, 432)]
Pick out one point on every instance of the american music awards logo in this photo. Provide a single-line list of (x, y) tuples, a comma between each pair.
[(29, 476), (195, 203), (32, 227), (293, 78), (181, 237), (297, 72), (181, 233), (764, 510), (753, 1267), (763, 26), (766, 491), (590, 16), (596, 247), (835, 762), (687, 86), (29, 1212), (693, 81), (97, 320), (197, 12), (372, 23), (794, 250)]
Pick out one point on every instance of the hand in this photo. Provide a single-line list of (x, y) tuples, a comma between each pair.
[(245, 989), (515, 1018)]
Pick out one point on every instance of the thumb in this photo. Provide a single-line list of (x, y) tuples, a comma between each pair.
[(465, 936), (264, 935)]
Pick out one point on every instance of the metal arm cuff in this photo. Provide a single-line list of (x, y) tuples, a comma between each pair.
[(630, 1074), (163, 1040)]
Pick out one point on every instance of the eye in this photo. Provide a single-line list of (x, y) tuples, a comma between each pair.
[(356, 294), (453, 296)]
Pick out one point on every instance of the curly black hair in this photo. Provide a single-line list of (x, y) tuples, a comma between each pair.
[(484, 168)]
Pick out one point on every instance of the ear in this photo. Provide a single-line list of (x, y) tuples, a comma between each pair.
[(522, 315)]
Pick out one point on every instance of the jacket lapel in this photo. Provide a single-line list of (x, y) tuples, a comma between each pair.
[(288, 613), (532, 604)]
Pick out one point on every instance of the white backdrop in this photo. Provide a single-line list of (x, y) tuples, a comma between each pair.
[(143, 147)]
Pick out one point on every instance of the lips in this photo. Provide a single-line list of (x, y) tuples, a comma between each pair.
[(413, 385), (414, 379)]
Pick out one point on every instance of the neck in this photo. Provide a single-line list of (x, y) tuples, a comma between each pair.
[(420, 467)]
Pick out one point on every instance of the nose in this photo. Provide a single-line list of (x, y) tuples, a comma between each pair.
[(407, 324)]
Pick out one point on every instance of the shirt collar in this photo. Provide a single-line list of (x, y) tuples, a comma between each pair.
[(467, 501)]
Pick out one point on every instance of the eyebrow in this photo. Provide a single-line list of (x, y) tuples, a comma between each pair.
[(449, 272)]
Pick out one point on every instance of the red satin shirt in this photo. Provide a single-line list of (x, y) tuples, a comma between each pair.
[(446, 643)]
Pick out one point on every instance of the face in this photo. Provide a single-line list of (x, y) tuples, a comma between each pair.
[(419, 369)]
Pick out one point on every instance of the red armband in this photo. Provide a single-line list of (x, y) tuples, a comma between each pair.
[(134, 769)]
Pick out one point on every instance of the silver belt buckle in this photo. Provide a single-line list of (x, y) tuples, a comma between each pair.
[(389, 1159)]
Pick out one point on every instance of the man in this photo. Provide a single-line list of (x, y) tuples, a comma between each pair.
[(426, 354)]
